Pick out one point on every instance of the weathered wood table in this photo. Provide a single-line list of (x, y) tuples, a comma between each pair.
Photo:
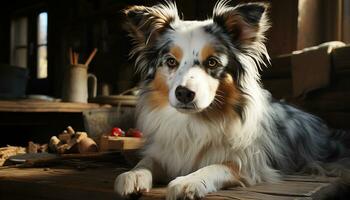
[(38, 120), (76, 179)]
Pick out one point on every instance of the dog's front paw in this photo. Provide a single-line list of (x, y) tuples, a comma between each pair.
[(131, 182), (186, 187)]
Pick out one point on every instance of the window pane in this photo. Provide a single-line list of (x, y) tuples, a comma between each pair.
[(42, 45), (42, 62), (42, 28), (19, 57), (19, 29)]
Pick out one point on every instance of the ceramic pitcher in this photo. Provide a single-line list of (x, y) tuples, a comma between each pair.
[(75, 84)]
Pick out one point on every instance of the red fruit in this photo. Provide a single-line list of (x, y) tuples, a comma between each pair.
[(137, 133), (114, 134), (129, 132), (117, 132), (134, 133)]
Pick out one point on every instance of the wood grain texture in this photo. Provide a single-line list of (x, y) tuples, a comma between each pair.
[(108, 143), (66, 182), (44, 106)]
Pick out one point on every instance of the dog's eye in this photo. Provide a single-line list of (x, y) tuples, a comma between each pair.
[(171, 62), (212, 63)]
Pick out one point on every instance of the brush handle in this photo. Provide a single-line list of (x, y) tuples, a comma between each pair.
[(92, 55)]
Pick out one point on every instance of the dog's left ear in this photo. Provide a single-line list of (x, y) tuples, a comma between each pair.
[(245, 23)]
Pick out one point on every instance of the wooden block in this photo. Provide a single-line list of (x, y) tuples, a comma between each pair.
[(340, 80), (280, 68), (279, 87), (325, 101), (32, 147), (341, 58), (108, 143)]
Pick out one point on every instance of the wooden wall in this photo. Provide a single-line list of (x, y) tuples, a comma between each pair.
[(85, 24), (346, 21), (4, 36), (320, 21)]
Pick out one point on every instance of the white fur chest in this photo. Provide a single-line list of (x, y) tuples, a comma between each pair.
[(181, 142)]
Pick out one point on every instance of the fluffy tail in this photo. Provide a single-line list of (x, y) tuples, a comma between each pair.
[(341, 136), (339, 190), (338, 162), (338, 165)]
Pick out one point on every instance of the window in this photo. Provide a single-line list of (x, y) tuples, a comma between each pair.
[(29, 42), (42, 46), (19, 42)]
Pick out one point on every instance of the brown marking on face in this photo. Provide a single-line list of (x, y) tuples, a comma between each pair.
[(177, 52), (227, 97), (229, 93), (207, 51), (236, 173), (158, 97)]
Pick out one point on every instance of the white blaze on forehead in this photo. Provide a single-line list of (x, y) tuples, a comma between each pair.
[(191, 38)]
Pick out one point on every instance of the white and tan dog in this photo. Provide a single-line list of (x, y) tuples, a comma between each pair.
[(207, 122)]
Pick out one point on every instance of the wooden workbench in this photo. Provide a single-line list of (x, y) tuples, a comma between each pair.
[(38, 120), (28, 105), (94, 180)]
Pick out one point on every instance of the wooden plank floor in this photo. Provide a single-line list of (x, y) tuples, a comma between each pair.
[(95, 181)]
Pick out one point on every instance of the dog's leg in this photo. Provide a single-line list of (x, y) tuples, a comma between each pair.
[(137, 180), (207, 179)]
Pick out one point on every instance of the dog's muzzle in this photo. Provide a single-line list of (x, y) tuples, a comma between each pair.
[(184, 95)]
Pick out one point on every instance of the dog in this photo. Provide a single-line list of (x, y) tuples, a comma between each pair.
[(208, 124)]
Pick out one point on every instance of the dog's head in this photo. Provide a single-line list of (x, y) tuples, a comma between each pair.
[(193, 65)]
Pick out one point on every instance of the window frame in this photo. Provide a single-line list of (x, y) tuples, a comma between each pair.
[(38, 45), (15, 47), (32, 14)]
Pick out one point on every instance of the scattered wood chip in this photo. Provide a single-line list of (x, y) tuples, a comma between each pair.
[(70, 141), (36, 148), (6, 152)]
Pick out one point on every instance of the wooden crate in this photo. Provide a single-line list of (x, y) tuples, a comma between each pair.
[(331, 103), (112, 143)]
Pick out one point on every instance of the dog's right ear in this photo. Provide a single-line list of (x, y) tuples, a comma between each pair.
[(146, 23)]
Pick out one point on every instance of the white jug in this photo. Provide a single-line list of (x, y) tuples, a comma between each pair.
[(75, 84)]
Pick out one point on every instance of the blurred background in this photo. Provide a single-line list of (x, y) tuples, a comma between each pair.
[(36, 37)]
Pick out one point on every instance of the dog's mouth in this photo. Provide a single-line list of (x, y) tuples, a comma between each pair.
[(187, 108)]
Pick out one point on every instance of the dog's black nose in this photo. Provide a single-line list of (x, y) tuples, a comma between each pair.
[(184, 95)]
